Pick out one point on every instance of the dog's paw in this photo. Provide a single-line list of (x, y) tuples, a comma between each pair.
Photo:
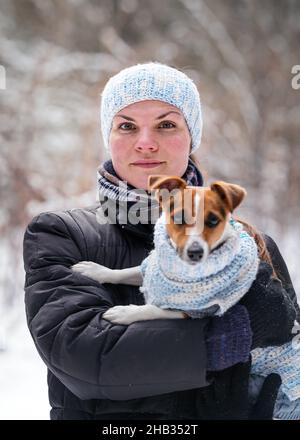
[(132, 313), (123, 314), (95, 271)]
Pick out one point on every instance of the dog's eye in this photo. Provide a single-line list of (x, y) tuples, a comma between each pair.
[(212, 221)]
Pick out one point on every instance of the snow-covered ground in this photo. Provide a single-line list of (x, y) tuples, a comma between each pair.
[(23, 377)]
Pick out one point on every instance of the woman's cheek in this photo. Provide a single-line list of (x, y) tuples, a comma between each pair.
[(117, 145), (179, 147)]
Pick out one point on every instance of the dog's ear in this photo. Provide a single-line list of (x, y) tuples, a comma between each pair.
[(231, 194), (159, 181), (163, 186)]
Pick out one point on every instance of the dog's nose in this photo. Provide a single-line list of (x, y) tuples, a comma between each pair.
[(195, 251)]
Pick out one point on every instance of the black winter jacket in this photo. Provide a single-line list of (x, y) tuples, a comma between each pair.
[(97, 369)]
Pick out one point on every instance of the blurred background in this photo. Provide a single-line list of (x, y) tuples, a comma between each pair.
[(57, 56)]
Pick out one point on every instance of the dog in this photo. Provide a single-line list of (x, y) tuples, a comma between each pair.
[(198, 222)]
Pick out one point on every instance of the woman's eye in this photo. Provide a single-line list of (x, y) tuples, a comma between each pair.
[(167, 124), (212, 221), (126, 126)]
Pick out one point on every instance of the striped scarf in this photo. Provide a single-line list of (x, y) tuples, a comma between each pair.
[(111, 186), (117, 197)]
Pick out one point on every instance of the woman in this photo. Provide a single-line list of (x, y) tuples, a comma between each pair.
[(151, 123)]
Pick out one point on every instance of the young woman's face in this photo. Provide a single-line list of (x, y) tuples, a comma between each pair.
[(149, 137)]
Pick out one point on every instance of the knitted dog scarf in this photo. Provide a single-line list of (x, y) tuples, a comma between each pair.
[(227, 274), (213, 287)]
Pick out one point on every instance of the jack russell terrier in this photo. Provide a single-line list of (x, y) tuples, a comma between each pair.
[(198, 221)]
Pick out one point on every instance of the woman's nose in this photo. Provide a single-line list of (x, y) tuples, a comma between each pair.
[(146, 142)]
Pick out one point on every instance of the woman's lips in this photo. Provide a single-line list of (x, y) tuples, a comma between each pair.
[(147, 164)]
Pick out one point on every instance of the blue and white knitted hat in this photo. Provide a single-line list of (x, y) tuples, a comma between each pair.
[(152, 81)]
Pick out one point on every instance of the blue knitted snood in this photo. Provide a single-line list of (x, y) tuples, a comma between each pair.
[(213, 287), (217, 284)]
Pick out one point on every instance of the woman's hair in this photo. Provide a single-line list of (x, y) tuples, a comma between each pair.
[(198, 164), (196, 161), (261, 244)]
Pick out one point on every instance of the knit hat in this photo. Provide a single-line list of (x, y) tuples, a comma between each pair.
[(152, 81)]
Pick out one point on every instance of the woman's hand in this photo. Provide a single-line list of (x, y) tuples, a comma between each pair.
[(227, 398), (228, 339)]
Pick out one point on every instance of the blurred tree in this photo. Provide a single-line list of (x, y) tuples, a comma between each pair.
[(59, 54)]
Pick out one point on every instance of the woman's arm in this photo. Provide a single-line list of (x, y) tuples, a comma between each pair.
[(265, 316), (270, 308), (90, 356), (282, 272)]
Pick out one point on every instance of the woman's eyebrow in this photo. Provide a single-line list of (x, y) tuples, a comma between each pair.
[(159, 117)]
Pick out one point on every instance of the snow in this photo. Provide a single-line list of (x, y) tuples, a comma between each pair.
[(23, 377)]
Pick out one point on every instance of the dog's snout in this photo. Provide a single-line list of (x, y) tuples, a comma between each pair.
[(195, 251)]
